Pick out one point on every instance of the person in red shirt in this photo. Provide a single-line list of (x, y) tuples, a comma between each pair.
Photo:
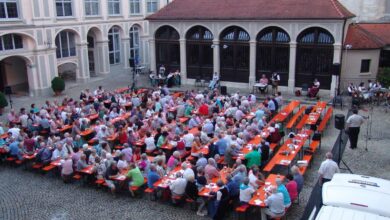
[(292, 187), (204, 109), (122, 136)]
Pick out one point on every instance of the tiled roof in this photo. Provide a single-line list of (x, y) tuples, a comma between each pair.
[(251, 10), (368, 36)]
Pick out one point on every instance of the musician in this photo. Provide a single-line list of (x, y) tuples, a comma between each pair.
[(275, 79)]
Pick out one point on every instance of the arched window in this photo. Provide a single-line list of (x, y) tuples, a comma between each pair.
[(199, 53), (167, 48), (273, 53), (66, 45), (314, 57), (234, 55), (114, 45), (11, 42), (134, 44)]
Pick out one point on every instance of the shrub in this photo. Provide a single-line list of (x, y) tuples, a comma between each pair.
[(384, 77), (58, 84), (3, 100)]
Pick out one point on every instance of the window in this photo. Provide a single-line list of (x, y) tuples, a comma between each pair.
[(114, 7), (91, 7), (8, 9), (64, 8), (365, 66), (151, 6), (65, 43), (114, 45), (135, 7), (134, 43), (11, 42)]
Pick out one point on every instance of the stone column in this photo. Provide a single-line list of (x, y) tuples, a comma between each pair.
[(291, 69), (152, 51), (83, 63), (103, 66), (336, 59), (216, 60), (126, 52), (183, 61), (252, 63)]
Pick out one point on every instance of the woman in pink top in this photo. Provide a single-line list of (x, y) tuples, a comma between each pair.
[(67, 169), (173, 161), (292, 187)]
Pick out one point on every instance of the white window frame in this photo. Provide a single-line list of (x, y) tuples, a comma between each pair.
[(4, 3), (133, 6), (13, 42), (135, 42), (111, 8), (69, 48), (89, 4), (63, 2), (149, 6), (114, 32)]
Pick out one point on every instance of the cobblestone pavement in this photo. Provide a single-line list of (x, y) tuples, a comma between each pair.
[(28, 195)]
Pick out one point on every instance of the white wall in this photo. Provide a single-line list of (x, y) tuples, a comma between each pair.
[(352, 62), (366, 10)]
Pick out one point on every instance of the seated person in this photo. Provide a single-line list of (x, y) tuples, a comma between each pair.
[(352, 89), (178, 186), (111, 172), (135, 177), (152, 176), (274, 201), (263, 83), (214, 81), (246, 192), (314, 89)]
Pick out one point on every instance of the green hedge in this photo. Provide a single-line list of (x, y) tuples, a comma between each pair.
[(58, 84), (3, 100)]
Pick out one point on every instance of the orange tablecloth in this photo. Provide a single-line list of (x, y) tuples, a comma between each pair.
[(259, 196), (88, 170)]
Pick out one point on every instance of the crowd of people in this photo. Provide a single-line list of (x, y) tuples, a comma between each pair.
[(362, 93), (141, 123)]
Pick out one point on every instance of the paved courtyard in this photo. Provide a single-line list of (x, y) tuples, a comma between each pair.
[(26, 194)]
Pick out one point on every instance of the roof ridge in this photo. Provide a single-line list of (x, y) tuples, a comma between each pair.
[(337, 8), (371, 35)]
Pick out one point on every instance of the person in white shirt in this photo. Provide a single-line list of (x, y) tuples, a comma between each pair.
[(274, 201), (178, 186), (353, 124), (246, 191), (327, 169), (149, 142), (122, 163), (188, 139), (59, 152), (188, 172)]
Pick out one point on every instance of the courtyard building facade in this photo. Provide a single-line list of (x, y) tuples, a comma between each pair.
[(241, 40), (75, 39)]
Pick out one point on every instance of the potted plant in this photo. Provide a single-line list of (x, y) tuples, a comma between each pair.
[(3, 102), (58, 85)]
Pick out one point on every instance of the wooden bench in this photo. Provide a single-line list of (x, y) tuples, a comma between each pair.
[(313, 146), (307, 157), (77, 177), (325, 120), (242, 210), (37, 166), (302, 122), (48, 168), (294, 119)]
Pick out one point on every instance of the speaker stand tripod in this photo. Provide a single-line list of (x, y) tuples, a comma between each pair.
[(340, 157)]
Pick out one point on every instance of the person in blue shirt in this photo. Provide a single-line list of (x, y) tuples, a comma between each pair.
[(193, 122), (152, 176), (221, 145), (15, 150), (282, 189), (271, 105), (240, 175), (233, 187), (259, 114)]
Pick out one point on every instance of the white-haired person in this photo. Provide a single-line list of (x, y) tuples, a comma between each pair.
[(327, 169), (275, 204)]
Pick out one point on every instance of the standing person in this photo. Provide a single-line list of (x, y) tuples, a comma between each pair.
[(328, 168), (275, 78), (214, 81), (222, 201), (353, 125)]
